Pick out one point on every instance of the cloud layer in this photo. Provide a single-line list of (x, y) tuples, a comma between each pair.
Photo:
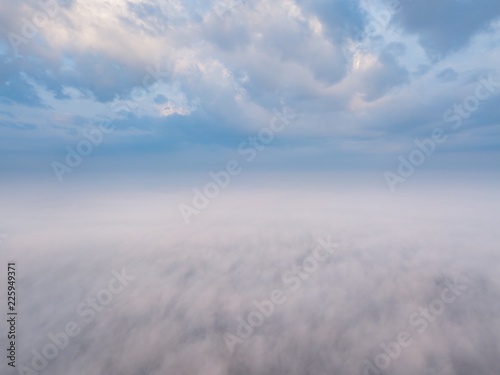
[(193, 283)]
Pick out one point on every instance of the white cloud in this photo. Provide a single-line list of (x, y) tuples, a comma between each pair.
[(192, 283)]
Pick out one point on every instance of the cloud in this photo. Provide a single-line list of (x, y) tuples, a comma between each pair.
[(227, 71), (382, 76), (193, 283), (447, 75), (446, 26)]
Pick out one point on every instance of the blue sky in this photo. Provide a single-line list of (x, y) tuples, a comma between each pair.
[(186, 83)]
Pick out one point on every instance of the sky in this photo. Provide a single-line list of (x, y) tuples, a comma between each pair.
[(181, 85), (238, 187)]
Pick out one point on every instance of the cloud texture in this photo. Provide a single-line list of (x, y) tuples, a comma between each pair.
[(193, 283), (354, 70)]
